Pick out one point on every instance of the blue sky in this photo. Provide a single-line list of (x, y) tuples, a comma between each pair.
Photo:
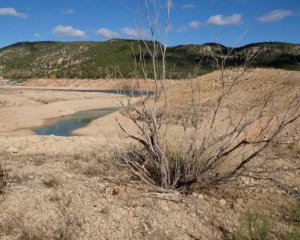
[(230, 22)]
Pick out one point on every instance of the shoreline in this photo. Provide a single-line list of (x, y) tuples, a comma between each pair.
[(17, 120)]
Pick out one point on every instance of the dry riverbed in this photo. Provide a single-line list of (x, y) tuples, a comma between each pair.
[(72, 187)]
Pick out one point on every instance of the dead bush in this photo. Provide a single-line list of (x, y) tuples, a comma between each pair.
[(215, 144)]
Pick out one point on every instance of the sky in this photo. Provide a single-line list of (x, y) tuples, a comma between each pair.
[(229, 22)]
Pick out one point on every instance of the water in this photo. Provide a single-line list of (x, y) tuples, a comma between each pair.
[(66, 125)]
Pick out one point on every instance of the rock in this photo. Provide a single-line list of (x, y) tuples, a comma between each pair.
[(222, 202), (164, 206), (12, 150), (200, 196), (195, 194)]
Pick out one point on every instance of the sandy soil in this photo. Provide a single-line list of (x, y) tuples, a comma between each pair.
[(71, 188)]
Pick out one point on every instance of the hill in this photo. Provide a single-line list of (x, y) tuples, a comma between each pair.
[(115, 58)]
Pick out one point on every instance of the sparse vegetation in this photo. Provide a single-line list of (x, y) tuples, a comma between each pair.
[(93, 163), (295, 212), (213, 146), (196, 154), (255, 227), (3, 178), (292, 235), (114, 59), (51, 182)]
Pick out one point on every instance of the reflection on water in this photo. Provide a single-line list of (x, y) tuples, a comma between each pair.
[(64, 126)]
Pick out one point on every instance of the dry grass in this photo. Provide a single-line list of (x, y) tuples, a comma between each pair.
[(67, 225), (95, 163), (295, 212), (254, 226)]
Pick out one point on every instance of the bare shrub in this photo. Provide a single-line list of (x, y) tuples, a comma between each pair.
[(215, 143)]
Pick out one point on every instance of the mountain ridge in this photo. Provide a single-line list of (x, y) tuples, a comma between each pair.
[(115, 58)]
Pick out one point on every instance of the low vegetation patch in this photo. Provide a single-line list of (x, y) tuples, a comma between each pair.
[(51, 182), (293, 235), (115, 59), (3, 178), (255, 227), (295, 212)]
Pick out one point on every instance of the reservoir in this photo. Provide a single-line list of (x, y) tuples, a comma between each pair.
[(64, 126)]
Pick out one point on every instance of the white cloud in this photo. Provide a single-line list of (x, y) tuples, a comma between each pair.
[(136, 33), (194, 24), (68, 11), (183, 29), (104, 32), (224, 20), (37, 35), (12, 12), (275, 16), (188, 6), (186, 28), (67, 31)]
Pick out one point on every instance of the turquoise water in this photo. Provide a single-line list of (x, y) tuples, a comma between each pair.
[(64, 126)]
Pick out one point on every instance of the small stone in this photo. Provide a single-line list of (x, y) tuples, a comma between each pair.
[(164, 206), (200, 196), (12, 150), (195, 194), (222, 202)]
